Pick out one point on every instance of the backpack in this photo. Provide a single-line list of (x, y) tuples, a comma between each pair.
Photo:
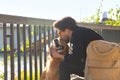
[(103, 61)]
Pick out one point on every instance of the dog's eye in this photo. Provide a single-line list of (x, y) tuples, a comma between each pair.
[(56, 43)]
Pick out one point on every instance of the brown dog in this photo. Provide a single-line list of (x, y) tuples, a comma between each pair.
[(51, 71)]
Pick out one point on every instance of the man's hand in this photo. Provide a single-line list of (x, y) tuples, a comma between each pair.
[(55, 54)]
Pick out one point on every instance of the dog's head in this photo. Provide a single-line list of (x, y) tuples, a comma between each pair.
[(61, 46)]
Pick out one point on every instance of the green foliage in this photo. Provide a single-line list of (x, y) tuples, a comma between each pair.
[(7, 47), (113, 19), (22, 76), (27, 45), (1, 75), (95, 17), (28, 75)]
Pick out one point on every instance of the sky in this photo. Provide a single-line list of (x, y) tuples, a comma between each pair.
[(55, 9)]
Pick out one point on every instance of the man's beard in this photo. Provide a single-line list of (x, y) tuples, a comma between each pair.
[(67, 40)]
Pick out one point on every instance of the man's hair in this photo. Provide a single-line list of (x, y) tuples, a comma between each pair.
[(65, 23)]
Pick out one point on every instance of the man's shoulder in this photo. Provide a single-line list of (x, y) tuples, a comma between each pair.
[(81, 29)]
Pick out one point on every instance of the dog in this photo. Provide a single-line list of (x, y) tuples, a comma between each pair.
[(51, 71)]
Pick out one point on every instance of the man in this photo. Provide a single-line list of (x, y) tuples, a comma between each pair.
[(79, 37)]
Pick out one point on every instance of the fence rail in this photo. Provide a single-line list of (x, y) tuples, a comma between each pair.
[(31, 43)]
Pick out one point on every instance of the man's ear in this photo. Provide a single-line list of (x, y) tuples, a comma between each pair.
[(67, 30)]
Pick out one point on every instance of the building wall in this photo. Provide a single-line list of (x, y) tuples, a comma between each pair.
[(111, 35)]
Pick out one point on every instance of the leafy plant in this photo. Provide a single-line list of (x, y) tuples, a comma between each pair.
[(113, 19), (95, 17)]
